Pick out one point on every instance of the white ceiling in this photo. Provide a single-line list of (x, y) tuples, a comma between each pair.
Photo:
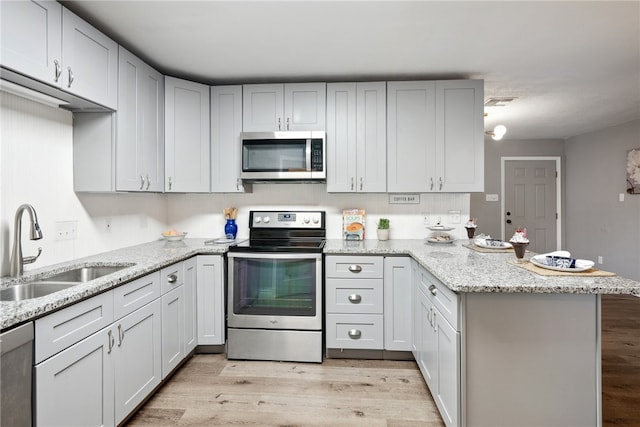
[(574, 66)]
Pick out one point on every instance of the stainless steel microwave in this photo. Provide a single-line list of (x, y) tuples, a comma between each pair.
[(286, 156)]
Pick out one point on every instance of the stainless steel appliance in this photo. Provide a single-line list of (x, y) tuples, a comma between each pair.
[(288, 156), (16, 365), (275, 288)]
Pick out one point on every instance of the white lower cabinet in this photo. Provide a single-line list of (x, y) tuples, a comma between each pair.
[(210, 301), (190, 316), (172, 330), (398, 324), (438, 344)]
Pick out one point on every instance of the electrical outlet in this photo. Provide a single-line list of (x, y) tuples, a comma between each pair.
[(425, 218), (66, 230), (600, 259), (454, 217), (107, 225)]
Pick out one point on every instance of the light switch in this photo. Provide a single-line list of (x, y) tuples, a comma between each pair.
[(621, 197), (492, 198)]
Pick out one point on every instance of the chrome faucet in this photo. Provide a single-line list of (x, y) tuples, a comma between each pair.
[(17, 261)]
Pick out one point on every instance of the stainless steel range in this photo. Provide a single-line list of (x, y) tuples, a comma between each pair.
[(275, 288)]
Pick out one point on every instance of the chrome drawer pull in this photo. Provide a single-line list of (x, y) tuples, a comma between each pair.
[(355, 298), (172, 278), (433, 289), (355, 268), (355, 334)]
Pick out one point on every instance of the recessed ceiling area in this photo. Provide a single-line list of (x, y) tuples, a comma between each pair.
[(572, 67)]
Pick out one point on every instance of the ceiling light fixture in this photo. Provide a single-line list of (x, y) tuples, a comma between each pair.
[(497, 133)]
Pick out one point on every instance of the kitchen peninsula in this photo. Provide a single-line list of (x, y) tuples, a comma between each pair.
[(528, 346)]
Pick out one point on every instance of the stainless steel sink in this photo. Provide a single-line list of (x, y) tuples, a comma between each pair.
[(49, 284), (83, 274)]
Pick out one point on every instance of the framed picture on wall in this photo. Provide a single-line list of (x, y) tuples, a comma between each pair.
[(633, 171)]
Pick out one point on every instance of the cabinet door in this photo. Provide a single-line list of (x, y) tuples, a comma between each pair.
[(371, 137), (31, 39), (397, 297), (190, 328), (342, 149), (90, 63), (305, 106), (187, 151), (140, 126), (447, 396), (262, 108), (137, 358), (210, 301), (226, 126), (75, 387), (172, 330), (427, 342), (411, 136), (460, 135)]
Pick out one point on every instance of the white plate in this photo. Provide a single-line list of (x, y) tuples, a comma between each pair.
[(483, 244), (581, 264), (432, 240), (175, 238), (441, 228)]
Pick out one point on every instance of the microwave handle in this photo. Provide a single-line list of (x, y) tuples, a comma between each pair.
[(308, 155)]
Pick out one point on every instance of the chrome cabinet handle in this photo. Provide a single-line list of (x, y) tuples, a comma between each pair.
[(355, 298), (238, 184), (71, 77), (361, 183), (440, 183), (111, 341), (288, 123), (355, 334), (141, 182), (434, 323), (352, 188), (431, 183), (355, 268), (172, 278), (433, 289), (120, 335), (58, 70), (279, 123), (170, 183), (148, 182)]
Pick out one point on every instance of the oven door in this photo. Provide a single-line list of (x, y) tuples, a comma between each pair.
[(275, 290)]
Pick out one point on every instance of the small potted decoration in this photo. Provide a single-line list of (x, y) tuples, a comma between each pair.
[(383, 229)]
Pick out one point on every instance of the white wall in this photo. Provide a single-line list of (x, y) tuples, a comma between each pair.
[(36, 144), (597, 223)]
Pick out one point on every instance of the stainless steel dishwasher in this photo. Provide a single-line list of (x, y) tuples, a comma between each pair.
[(16, 365)]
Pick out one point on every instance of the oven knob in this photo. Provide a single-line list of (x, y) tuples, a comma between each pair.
[(266, 220), (316, 220), (257, 220), (306, 220)]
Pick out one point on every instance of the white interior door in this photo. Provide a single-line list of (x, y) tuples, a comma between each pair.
[(530, 200)]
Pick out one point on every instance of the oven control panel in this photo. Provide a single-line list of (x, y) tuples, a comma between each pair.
[(287, 219)]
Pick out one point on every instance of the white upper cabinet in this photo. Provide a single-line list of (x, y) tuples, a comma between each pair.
[(30, 39), (140, 126), (356, 137), (90, 62), (226, 126), (460, 135), (47, 42), (282, 107), (411, 114), (187, 152), (435, 136)]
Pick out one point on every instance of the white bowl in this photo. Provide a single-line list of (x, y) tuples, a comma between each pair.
[(174, 238)]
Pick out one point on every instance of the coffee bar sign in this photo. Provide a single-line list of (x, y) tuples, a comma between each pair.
[(404, 199)]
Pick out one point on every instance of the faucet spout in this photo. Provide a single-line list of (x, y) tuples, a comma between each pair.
[(17, 260)]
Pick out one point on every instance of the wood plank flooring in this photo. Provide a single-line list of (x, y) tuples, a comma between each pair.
[(210, 390)]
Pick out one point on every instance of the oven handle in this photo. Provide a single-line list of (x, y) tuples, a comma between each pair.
[(274, 255)]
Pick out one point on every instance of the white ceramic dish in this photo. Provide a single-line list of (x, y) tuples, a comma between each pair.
[(433, 240), (483, 244), (174, 238), (581, 264), (440, 228)]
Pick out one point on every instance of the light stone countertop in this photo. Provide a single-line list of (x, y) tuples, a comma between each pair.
[(459, 268)]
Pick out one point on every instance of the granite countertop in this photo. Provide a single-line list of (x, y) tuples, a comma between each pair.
[(459, 268)]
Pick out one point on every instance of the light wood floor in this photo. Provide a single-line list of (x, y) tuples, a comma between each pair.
[(210, 390)]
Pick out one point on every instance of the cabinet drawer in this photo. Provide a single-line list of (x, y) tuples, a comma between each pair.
[(355, 296), (133, 295), (172, 277), (443, 298), (66, 327), (359, 267), (355, 331)]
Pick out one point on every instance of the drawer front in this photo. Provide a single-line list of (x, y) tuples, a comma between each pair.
[(61, 329), (443, 298), (355, 331), (357, 267), (355, 296), (172, 277), (133, 295)]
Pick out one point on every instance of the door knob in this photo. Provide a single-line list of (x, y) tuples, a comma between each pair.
[(508, 213)]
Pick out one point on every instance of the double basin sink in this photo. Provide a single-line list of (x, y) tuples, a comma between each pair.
[(49, 284)]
